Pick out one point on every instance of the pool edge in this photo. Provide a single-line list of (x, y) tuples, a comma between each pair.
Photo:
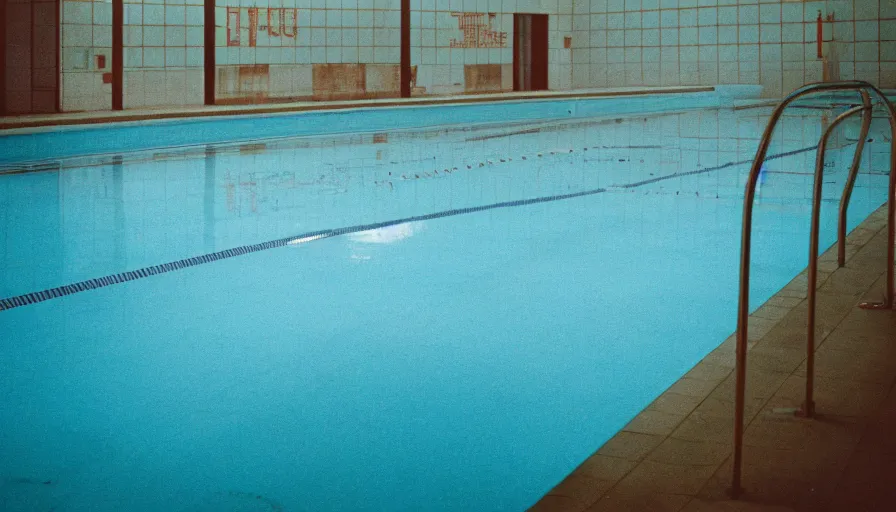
[(109, 117), (696, 411)]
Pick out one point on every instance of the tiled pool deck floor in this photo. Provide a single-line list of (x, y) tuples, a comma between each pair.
[(677, 454)]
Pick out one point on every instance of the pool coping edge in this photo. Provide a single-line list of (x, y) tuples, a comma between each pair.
[(686, 412), (107, 117)]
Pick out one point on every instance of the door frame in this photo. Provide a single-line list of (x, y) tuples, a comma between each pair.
[(117, 54), (540, 46), (513, 48), (539, 51), (3, 21)]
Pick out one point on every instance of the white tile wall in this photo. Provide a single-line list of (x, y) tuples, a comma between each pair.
[(864, 37), (86, 35), (163, 40), (368, 31), (441, 68), (328, 32), (768, 42), (614, 43)]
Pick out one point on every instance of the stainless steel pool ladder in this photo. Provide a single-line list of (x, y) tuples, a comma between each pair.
[(743, 308)]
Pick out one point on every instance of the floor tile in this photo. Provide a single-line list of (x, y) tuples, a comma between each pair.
[(654, 422), (694, 387), (693, 453), (700, 505), (581, 488), (630, 445), (602, 467), (650, 476), (675, 403), (558, 504), (640, 502)]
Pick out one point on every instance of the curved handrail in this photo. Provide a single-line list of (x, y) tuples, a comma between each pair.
[(808, 409), (851, 180), (749, 196)]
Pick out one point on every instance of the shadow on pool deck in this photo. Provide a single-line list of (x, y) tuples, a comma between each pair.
[(677, 454)]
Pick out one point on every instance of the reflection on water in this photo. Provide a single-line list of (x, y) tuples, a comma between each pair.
[(360, 243), (388, 234), (118, 215), (306, 239)]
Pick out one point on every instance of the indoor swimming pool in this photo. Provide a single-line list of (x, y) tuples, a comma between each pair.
[(442, 318)]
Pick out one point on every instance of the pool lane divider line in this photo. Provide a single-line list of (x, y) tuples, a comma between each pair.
[(133, 275), (712, 169), (123, 277)]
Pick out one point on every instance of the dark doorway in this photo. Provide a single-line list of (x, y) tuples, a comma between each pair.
[(530, 52), (29, 64)]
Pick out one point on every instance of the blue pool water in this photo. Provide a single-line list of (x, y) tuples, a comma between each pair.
[(527, 290)]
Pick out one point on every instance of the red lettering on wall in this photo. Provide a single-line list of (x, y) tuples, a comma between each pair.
[(289, 22), (253, 26), (276, 21), (233, 26), (478, 33)]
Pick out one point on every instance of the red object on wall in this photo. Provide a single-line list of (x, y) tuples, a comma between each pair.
[(283, 22), (289, 19), (275, 20), (100, 62), (29, 57), (233, 26), (3, 17), (253, 26), (530, 52), (478, 31), (404, 72), (107, 78), (209, 61), (117, 55), (820, 36)]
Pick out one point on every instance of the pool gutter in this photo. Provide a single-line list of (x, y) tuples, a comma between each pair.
[(103, 117), (219, 125)]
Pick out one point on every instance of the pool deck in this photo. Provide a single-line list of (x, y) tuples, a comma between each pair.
[(109, 116), (676, 455)]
